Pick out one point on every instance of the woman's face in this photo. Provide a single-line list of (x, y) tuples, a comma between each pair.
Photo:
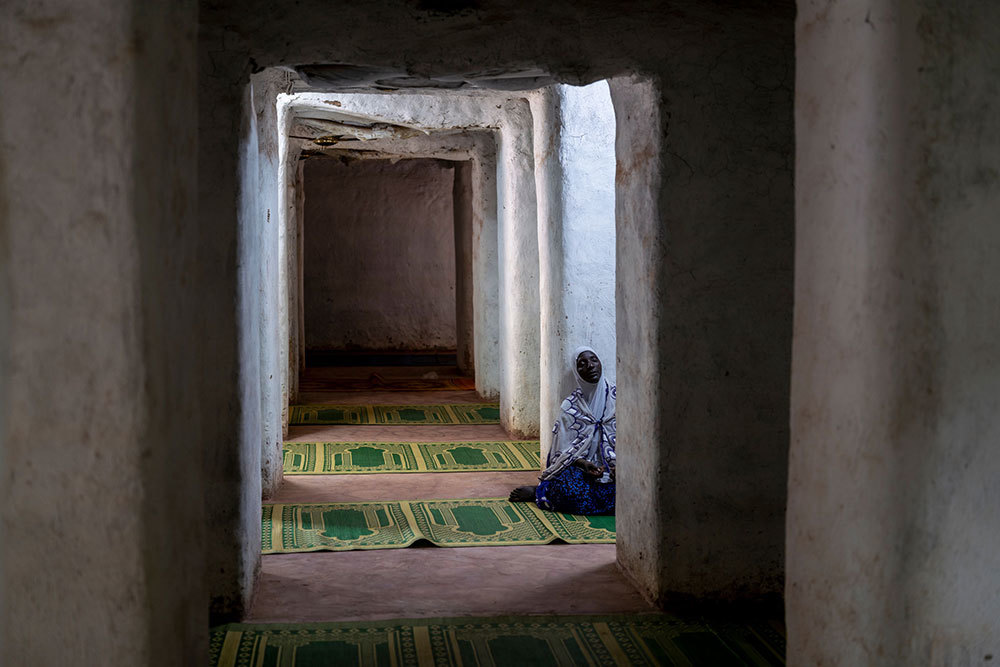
[(588, 366)]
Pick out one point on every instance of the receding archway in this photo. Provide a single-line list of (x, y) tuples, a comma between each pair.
[(713, 213)]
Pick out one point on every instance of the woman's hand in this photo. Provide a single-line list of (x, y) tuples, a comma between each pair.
[(589, 469)]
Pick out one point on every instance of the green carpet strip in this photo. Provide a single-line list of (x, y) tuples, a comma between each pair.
[(342, 458), (513, 641), (463, 413), (471, 522)]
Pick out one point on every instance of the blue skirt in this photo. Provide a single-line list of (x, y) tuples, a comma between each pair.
[(572, 492)]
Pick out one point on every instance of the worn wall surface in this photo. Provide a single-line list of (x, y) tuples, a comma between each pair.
[(379, 255), (229, 369), (517, 260), (704, 301), (100, 242), (259, 205), (464, 207), (286, 217), (485, 276), (893, 492)]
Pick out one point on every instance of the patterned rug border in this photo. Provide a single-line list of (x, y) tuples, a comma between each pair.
[(553, 526), (449, 620), (527, 460), (648, 638)]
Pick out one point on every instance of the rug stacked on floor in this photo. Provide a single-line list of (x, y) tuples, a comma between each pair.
[(399, 415), (338, 458), (526, 641), (468, 522)]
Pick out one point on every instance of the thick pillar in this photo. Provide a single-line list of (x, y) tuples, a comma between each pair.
[(518, 269), (101, 415), (893, 492), (300, 302), (575, 183), (230, 347), (641, 541), (485, 272), (552, 287), (462, 198), (704, 306), (288, 258), (260, 208)]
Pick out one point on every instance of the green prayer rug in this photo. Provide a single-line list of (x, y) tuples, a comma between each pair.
[(469, 522), (510, 641), (461, 413), (340, 458)]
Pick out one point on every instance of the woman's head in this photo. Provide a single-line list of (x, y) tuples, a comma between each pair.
[(587, 365)]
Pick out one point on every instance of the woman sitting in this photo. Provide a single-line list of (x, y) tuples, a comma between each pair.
[(579, 477)]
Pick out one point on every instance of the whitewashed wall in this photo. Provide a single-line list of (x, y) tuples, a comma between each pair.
[(574, 130), (259, 298)]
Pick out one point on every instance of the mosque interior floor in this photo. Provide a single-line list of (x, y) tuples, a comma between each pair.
[(427, 581)]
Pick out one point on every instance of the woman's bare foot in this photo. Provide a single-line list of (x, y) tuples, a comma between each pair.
[(591, 470), (522, 494)]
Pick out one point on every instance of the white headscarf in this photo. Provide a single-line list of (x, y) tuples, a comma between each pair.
[(585, 428)]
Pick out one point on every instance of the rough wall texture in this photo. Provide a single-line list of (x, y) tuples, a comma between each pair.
[(640, 534), (517, 259), (258, 247), (230, 363), (485, 276), (379, 255), (98, 218), (287, 222), (704, 318), (893, 492), (464, 206)]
